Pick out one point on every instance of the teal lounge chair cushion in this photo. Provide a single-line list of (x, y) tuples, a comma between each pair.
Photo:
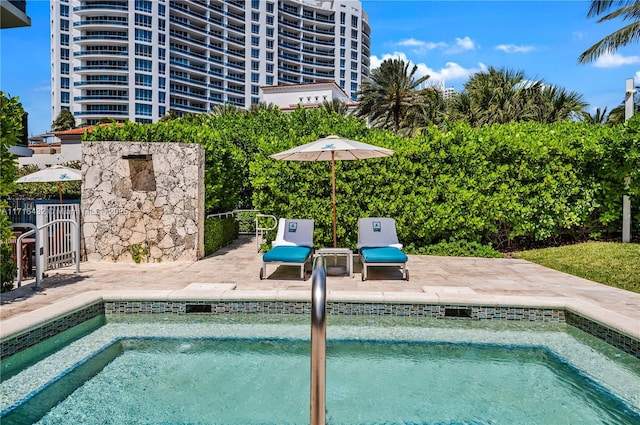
[(287, 254), (385, 254)]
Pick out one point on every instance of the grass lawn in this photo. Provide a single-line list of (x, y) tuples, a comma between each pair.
[(614, 264)]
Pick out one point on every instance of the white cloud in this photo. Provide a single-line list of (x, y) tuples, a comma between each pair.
[(420, 47), (450, 72), (462, 45), (514, 48), (613, 60)]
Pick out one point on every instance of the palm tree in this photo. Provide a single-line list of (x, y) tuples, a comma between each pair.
[(335, 105), (64, 121), (598, 117), (629, 11), (255, 108), (430, 109), (498, 96), (389, 92)]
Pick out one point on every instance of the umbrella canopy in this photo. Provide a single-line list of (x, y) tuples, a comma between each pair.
[(332, 148), (57, 173)]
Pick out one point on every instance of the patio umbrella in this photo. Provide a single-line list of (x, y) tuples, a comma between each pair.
[(332, 148), (56, 173)]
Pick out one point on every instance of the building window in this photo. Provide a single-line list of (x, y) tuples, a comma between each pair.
[(342, 84), (255, 16), (143, 20), (354, 45), (255, 78), (343, 18), (162, 97), (144, 110), (343, 42), (343, 31), (255, 53), (270, 7), (354, 65), (269, 32), (161, 9), (255, 65), (269, 44), (341, 63), (64, 25), (269, 80), (143, 80), (64, 54), (161, 24), (143, 6), (144, 65), (255, 4), (354, 21), (162, 83), (255, 100), (162, 111), (269, 20), (354, 86), (354, 76), (342, 53), (64, 11), (64, 39), (255, 89), (64, 83), (143, 35), (342, 71), (255, 41), (64, 68), (255, 29), (354, 56), (143, 94), (144, 50), (64, 97), (354, 34), (270, 56), (269, 67), (161, 39), (161, 68), (162, 53)]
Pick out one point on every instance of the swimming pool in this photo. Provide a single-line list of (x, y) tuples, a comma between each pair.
[(255, 369)]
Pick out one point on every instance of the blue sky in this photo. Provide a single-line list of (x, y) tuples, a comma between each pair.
[(448, 40)]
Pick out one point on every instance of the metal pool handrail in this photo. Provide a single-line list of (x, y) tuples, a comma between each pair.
[(318, 341)]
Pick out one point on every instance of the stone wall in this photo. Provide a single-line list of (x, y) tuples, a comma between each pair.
[(143, 197)]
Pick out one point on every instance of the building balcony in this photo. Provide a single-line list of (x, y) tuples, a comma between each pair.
[(13, 14)]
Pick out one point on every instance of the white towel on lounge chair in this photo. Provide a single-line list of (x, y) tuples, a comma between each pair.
[(294, 232), (375, 232)]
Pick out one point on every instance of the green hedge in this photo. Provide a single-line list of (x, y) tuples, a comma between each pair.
[(504, 185), (496, 185), (219, 232)]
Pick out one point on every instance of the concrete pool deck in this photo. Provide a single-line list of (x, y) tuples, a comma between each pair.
[(232, 273)]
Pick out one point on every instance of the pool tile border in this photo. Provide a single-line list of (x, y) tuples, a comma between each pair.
[(16, 343)]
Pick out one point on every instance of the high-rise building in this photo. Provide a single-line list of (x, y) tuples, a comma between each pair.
[(138, 59)]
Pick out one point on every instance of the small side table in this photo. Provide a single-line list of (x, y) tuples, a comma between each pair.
[(342, 252)]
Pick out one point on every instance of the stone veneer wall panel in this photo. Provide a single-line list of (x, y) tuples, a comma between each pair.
[(156, 203)]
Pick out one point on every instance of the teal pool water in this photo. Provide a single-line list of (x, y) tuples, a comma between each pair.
[(244, 371)]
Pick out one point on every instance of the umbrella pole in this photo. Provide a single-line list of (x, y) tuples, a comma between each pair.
[(333, 192)]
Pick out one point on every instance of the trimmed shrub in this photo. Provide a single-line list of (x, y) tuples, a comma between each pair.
[(219, 232)]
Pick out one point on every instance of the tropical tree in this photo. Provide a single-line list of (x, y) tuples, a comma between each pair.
[(629, 10), (335, 105), (430, 109), (599, 116), (169, 116), (64, 121), (498, 96), (255, 108), (388, 94)]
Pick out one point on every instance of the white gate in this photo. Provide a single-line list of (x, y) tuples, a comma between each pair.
[(58, 247)]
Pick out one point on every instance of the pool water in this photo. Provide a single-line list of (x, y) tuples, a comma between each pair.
[(382, 372)]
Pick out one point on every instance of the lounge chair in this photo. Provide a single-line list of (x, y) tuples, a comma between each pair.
[(292, 247), (379, 246)]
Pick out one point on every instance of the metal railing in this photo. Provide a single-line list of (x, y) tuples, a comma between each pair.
[(260, 230), (318, 342)]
